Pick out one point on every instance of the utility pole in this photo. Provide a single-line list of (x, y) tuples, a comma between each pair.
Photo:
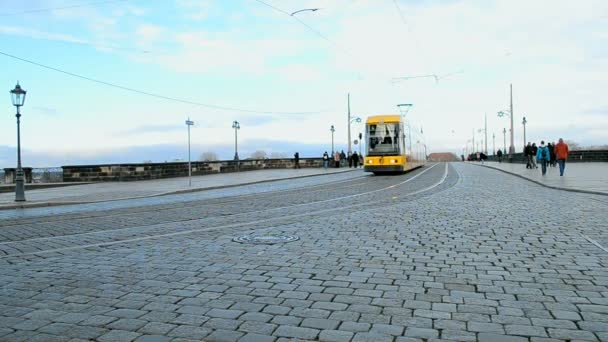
[(348, 123), (504, 137), (189, 123), (524, 122), (493, 144), (485, 130), (511, 147)]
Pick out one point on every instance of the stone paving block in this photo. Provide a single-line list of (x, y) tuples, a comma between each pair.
[(156, 328), (222, 313), (222, 323), (421, 332), (224, 336), (490, 337), (126, 313), (372, 337), (191, 332), (276, 310), (257, 327), (320, 323), (296, 332), (189, 320), (485, 327), (335, 336), (48, 338), (31, 324), (458, 335), (566, 334), (257, 338), (287, 320), (118, 336), (387, 329), (127, 324), (153, 338), (525, 330)]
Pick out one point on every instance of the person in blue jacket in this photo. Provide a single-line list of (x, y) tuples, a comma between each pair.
[(543, 156)]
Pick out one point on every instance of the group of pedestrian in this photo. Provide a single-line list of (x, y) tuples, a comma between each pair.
[(546, 155), (353, 159)]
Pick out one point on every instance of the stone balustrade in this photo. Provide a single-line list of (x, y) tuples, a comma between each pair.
[(132, 172)]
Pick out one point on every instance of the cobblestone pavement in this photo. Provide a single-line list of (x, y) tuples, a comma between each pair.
[(458, 253)]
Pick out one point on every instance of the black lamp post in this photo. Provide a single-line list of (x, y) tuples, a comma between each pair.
[(18, 98), (236, 125)]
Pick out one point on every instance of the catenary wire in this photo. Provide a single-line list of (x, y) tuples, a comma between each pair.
[(141, 92), (61, 8)]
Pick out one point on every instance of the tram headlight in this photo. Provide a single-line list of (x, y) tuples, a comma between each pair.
[(393, 161), (369, 161)]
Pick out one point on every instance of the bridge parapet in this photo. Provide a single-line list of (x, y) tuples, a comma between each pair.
[(132, 172)]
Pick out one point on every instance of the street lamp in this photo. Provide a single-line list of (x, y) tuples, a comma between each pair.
[(236, 126), (189, 123), (504, 136), (524, 122), (510, 114), (493, 144), (18, 98), (332, 129)]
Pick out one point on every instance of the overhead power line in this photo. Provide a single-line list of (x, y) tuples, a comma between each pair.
[(310, 28), (133, 90), (62, 8)]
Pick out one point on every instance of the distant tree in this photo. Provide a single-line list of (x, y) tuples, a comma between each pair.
[(259, 154), (278, 155), (208, 156), (573, 145), (147, 161)]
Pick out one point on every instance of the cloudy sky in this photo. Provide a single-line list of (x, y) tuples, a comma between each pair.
[(112, 77)]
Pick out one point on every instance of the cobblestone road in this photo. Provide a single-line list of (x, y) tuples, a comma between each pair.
[(458, 253)]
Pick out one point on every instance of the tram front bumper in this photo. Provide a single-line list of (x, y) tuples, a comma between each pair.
[(383, 168)]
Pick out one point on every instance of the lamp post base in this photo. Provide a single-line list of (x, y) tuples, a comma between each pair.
[(19, 187)]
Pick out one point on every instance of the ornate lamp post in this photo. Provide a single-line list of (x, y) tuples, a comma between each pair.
[(236, 126), (332, 129), (493, 144), (509, 113), (504, 136), (18, 98)]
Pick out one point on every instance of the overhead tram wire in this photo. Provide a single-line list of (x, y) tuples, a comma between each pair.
[(141, 92), (62, 8), (310, 28)]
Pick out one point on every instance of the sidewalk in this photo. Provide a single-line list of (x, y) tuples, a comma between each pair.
[(580, 177), (113, 191)]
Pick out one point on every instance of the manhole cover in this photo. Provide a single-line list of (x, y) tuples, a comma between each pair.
[(265, 239)]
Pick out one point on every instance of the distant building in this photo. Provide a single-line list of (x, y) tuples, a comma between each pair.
[(443, 157)]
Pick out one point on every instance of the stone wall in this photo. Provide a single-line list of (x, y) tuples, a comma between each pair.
[(132, 172)]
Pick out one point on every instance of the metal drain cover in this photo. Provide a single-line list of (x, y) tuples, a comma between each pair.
[(265, 239)]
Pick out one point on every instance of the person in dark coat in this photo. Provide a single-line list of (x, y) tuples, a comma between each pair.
[(499, 155), (296, 159), (355, 158)]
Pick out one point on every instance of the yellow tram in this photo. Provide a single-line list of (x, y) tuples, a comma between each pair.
[(393, 146)]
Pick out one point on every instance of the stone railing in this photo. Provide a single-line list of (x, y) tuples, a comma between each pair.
[(131, 172)]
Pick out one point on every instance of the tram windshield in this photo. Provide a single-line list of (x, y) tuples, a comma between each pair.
[(383, 139)]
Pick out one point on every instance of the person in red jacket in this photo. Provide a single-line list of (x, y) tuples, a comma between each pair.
[(561, 154)]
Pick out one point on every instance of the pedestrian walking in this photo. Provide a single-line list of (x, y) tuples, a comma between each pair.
[(528, 155), (337, 159), (296, 159), (499, 154), (342, 157), (534, 151), (350, 159), (325, 160), (551, 154), (561, 154), (355, 159), (542, 155)]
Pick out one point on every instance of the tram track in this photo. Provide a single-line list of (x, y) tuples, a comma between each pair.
[(210, 209), (164, 207), (72, 242)]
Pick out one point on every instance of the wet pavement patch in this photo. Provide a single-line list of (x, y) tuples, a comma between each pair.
[(265, 239)]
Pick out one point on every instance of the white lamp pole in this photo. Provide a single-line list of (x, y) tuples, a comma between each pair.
[(189, 123)]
